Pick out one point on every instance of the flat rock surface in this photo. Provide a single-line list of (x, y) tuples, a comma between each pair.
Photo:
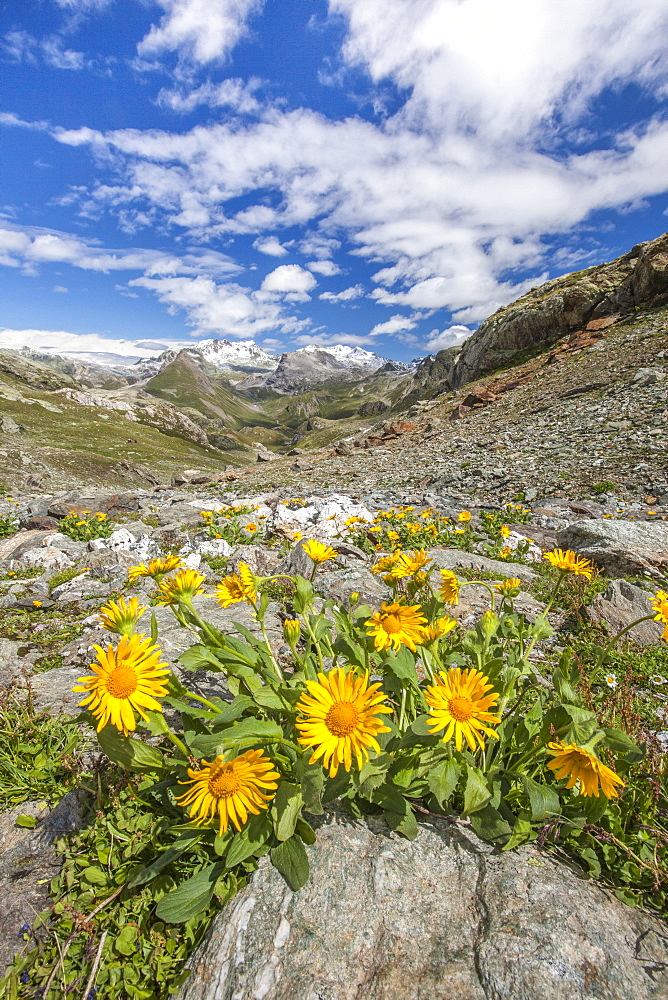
[(445, 917), (623, 603), (621, 548)]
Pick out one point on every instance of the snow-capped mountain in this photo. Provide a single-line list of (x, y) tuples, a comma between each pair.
[(241, 356), (348, 357)]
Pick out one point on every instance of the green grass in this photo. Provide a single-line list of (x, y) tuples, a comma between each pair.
[(63, 576), (37, 753)]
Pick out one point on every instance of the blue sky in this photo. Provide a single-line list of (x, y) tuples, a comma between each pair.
[(381, 173)]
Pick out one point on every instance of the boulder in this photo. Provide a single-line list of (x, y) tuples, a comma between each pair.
[(620, 548), (339, 584), (14, 546), (444, 917), (28, 863), (621, 604), (52, 691), (12, 665), (454, 558), (48, 558)]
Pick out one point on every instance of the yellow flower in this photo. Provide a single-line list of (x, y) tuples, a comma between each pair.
[(567, 561), (504, 531), (180, 589), (319, 552), (341, 718), (292, 628), (121, 617), (375, 528), (509, 587), (37, 604), (464, 516), (460, 704), (393, 536), (126, 679), (449, 589), (577, 764), (660, 604), (100, 516), (397, 625), (297, 536), (240, 586), (385, 563), (409, 564), (440, 628), (252, 527), (230, 790), (157, 568), (506, 551)]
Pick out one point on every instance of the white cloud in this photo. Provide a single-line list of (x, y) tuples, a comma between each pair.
[(201, 31), (60, 288), (452, 337), (271, 246), (81, 345), (225, 310), (231, 93), (21, 46), (331, 340), (325, 267), (31, 247), (396, 324), (291, 280), (347, 295)]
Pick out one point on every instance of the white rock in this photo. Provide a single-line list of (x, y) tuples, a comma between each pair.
[(96, 544), (534, 552), (192, 561), (47, 558), (324, 517), (145, 548), (121, 540), (214, 547)]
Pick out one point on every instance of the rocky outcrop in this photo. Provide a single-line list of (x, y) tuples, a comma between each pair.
[(445, 917), (621, 548), (638, 279), (621, 604)]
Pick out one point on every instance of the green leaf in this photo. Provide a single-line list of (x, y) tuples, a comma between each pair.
[(128, 752), (124, 943), (94, 876), (234, 710), (267, 698), (291, 861), (402, 665), (490, 825), (304, 595), (619, 742), (247, 731), (312, 784), (477, 792), (199, 657), (285, 809), (249, 841), (403, 823), (191, 897), (418, 735), (442, 780), (543, 799), (171, 854), (306, 831), (521, 832), (27, 822)]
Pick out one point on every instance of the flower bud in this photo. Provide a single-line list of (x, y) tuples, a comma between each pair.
[(354, 599), (489, 623), (291, 631)]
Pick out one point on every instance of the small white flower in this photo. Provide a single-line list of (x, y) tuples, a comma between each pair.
[(658, 679), (611, 681)]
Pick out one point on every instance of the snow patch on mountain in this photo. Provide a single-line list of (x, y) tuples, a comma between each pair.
[(349, 357)]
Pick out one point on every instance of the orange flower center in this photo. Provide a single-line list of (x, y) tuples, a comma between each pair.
[(460, 708), (122, 682), (342, 718), (391, 624), (224, 782)]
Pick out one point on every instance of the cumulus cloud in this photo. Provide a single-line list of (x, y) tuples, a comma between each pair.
[(225, 310), (271, 246), (290, 280), (31, 247), (396, 324), (347, 295), (201, 31), (452, 337), (231, 93), (21, 46), (60, 288), (325, 267)]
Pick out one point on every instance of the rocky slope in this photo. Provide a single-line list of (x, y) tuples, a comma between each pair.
[(585, 300)]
